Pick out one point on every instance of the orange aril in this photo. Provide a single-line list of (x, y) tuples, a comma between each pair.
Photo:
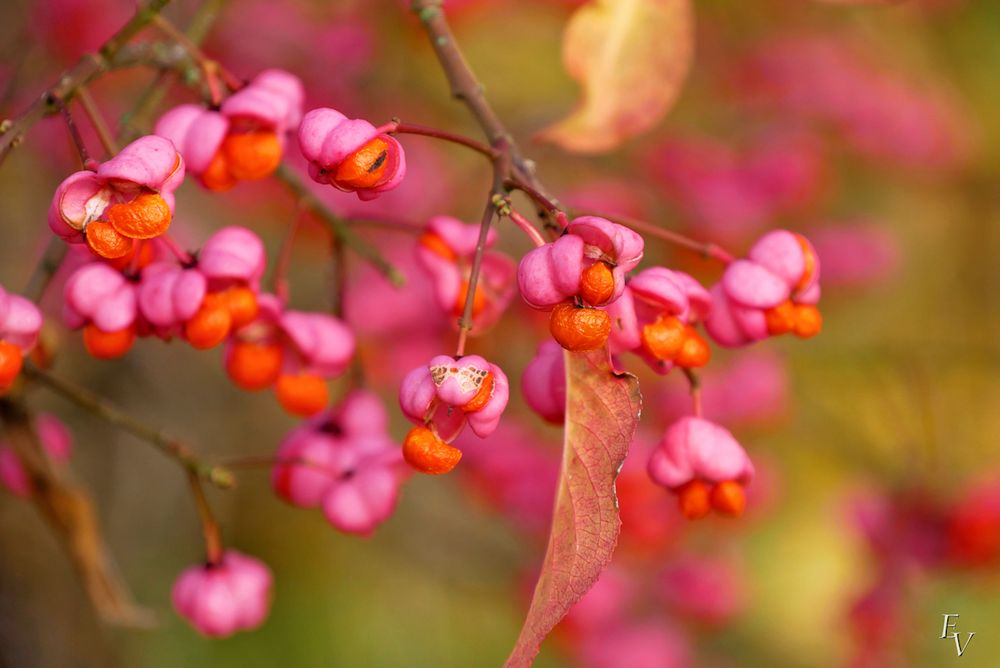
[(693, 499), (209, 326), (597, 284), (729, 498), (11, 361), (217, 176), (436, 245), (808, 320), (105, 242), (302, 394), (810, 263), (695, 351), (107, 345), (145, 217), (252, 155), (241, 302), (780, 319), (146, 252), (365, 168), (479, 300), (254, 366), (482, 397), (427, 453), (579, 329), (664, 338)]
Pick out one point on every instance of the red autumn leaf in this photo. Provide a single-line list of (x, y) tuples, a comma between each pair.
[(602, 411), (631, 58)]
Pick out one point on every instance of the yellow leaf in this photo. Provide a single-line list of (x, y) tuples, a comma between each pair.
[(631, 58)]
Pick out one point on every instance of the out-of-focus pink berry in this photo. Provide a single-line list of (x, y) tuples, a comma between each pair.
[(704, 465), (169, 295), (543, 383), (220, 599), (654, 316), (773, 291), (705, 589), (57, 441), (344, 461), (20, 321), (350, 154), (232, 255), (98, 294), (445, 251), (245, 139), (856, 254)]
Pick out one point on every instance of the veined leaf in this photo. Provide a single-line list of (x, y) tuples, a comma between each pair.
[(602, 411)]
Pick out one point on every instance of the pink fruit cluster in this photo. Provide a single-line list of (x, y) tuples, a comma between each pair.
[(245, 139), (20, 322), (441, 398), (445, 252), (222, 598), (343, 461), (129, 198)]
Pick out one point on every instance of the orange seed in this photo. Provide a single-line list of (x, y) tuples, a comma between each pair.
[(693, 499), (482, 397), (695, 351), (217, 176), (664, 338), (303, 394), (145, 217), (105, 242), (365, 167), (254, 366), (11, 361), (252, 155), (579, 329), (436, 245), (427, 453), (107, 345), (597, 284), (729, 498), (808, 321)]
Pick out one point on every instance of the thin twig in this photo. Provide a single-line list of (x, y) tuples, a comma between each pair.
[(340, 229), (90, 66), (209, 527), (436, 133), (97, 121), (116, 416), (694, 383), (706, 249)]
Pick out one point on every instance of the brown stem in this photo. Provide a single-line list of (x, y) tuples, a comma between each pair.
[(694, 383), (209, 527), (74, 133), (89, 67), (97, 121), (424, 131), (466, 88), (340, 229), (279, 280), (708, 250), (497, 200), (117, 417), (69, 510)]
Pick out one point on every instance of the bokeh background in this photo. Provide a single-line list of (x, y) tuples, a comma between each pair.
[(871, 129)]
